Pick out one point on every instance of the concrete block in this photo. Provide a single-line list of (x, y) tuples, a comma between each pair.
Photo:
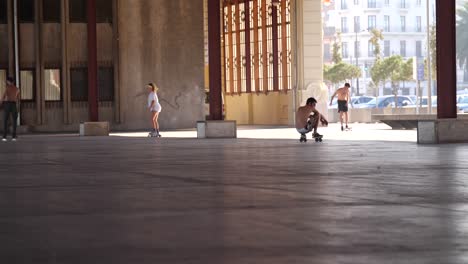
[(94, 129), (427, 132), (443, 131), (216, 129)]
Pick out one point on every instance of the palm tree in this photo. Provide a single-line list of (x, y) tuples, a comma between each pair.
[(376, 37)]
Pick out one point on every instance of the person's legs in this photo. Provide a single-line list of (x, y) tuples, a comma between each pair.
[(346, 118), (341, 119), (155, 122), (6, 116), (14, 112), (313, 123)]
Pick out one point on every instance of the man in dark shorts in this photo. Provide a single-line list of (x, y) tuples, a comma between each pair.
[(343, 100), (9, 100)]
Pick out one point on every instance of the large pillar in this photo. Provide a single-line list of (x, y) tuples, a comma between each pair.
[(65, 63), (214, 54), (446, 59), (92, 62)]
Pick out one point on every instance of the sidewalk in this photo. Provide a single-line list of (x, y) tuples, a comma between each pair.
[(360, 132)]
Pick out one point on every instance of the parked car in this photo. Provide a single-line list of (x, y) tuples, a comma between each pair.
[(356, 100), (462, 105), (387, 101), (423, 101)]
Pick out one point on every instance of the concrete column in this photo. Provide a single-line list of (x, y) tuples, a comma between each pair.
[(446, 59), (65, 72), (40, 100), (214, 51), (92, 62), (11, 55), (309, 53), (116, 61)]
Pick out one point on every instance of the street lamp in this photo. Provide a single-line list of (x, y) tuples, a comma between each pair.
[(356, 54)]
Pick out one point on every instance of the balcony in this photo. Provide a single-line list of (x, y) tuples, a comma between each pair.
[(407, 29)]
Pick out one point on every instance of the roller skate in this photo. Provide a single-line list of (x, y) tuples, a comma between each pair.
[(303, 138), (317, 137)]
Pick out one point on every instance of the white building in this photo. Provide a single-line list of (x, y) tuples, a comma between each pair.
[(404, 27)]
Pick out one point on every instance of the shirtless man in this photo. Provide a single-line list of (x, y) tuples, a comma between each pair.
[(307, 118), (9, 99), (343, 100)]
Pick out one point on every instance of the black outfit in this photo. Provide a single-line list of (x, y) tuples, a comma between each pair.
[(9, 108), (342, 106)]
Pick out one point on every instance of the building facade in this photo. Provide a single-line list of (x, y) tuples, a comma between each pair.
[(404, 28), (137, 42), (161, 41)]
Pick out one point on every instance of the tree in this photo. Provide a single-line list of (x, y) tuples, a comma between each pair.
[(393, 69), (376, 37), (378, 75), (337, 50), (433, 53), (462, 36), (340, 72)]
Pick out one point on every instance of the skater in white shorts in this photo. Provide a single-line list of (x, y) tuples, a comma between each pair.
[(154, 107)]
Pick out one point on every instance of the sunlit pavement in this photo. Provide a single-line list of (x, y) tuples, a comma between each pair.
[(359, 132), (367, 196)]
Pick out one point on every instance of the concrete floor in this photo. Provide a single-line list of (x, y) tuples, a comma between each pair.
[(66, 199)]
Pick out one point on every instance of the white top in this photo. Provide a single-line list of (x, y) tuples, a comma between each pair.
[(156, 106)]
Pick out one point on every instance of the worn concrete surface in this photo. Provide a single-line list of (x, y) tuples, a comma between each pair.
[(66, 199)]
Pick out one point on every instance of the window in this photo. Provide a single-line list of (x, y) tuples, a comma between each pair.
[(104, 11), (356, 2), (326, 52), (77, 11), (106, 84), (344, 4), (344, 50), (403, 4), (387, 48), (357, 24), (403, 48), (371, 22), (403, 23), (387, 23), (26, 11), (3, 12), (418, 24), (387, 2), (419, 48), (51, 11), (268, 71), (27, 85), (418, 2), (79, 84), (370, 50), (357, 47), (344, 25), (53, 88), (371, 4), (3, 76)]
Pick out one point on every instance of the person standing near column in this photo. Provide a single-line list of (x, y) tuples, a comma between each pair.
[(154, 107), (9, 100)]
